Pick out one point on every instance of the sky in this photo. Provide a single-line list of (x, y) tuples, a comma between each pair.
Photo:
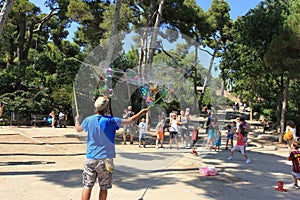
[(238, 7)]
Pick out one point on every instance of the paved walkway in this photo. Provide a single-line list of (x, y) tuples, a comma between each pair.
[(46, 163)]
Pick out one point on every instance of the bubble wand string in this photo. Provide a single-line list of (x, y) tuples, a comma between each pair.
[(164, 94), (75, 100)]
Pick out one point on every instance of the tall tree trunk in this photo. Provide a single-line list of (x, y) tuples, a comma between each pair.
[(4, 13), (110, 50), (278, 111), (208, 75), (251, 110), (195, 76), (279, 105), (284, 105), (155, 33), (21, 38), (152, 48), (196, 101), (222, 87), (144, 54), (113, 32)]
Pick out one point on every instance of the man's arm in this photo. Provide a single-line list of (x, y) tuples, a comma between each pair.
[(134, 117), (77, 125), (290, 157)]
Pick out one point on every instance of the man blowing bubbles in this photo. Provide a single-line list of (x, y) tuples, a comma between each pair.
[(101, 129)]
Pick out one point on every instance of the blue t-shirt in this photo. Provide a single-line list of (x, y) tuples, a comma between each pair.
[(101, 136)]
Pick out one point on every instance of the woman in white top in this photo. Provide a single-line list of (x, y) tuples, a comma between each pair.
[(290, 125), (173, 130)]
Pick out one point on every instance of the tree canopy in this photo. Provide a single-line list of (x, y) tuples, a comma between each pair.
[(38, 64)]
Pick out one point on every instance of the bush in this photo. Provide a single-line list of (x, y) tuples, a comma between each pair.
[(269, 113), (257, 107)]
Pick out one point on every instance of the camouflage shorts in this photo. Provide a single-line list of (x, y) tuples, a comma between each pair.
[(94, 169), (129, 130)]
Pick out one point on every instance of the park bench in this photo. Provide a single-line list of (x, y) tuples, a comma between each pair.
[(39, 120)]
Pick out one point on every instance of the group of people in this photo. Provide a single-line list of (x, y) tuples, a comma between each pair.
[(101, 128), (178, 126), (55, 120), (52, 118), (131, 129), (238, 129), (237, 106)]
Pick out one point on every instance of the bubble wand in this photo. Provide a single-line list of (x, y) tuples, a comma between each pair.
[(75, 100), (164, 94)]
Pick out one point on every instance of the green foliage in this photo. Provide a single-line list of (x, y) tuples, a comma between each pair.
[(24, 91), (62, 97), (269, 114), (264, 46), (229, 102), (37, 64), (257, 107), (39, 72), (206, 98), (89, 14), (127, 61)]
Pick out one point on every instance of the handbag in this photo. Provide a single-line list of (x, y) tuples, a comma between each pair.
[(288, 135), (109, 164)]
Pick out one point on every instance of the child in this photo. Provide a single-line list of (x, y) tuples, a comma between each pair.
[(160, 133), (239, 145), (295, 158), (211, 134), (142, 132), (218, 141), (195, 139), (231, 128)]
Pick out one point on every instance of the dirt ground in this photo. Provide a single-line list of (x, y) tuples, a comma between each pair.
[(46, 163)]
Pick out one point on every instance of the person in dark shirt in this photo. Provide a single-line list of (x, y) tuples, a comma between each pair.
[(295, 158)]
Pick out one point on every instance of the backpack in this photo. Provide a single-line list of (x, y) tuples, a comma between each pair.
[(288, 135)]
